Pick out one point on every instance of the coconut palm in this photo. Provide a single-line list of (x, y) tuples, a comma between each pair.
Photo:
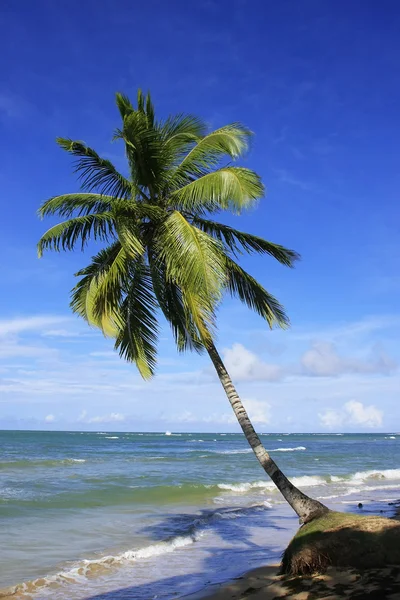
[(162, 252)]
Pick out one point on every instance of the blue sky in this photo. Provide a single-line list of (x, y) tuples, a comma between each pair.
[(318, 82)]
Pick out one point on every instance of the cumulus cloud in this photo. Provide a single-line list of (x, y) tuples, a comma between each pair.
[(258, 411), (352, 413), (50, 419), (323, 360), (111, 418), (331, 419), (244, 365)]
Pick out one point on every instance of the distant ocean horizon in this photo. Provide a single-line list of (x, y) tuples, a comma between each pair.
[(113, 514)]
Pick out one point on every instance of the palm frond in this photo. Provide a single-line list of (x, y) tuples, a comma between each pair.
[(231, 140), (236, 241), (96, 173), (129, 238), (187, 127), (124, 105), (80, 204), (228, 188), (179, 134), (66, 235), (248, 290), (149, 110), (192, 257), (195, 263), (98, 294), (138, 331), (143, 150), (140, 100), (169, 298), (108, 291)]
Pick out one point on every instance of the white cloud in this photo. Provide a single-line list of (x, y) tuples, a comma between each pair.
[(12, 348), (10, 326), (352, 413), (331, 419), (258, 411), (50, 419), (111, 418), (369, 416), (323, 360), (63, 333), (244, 365), (189, 417)]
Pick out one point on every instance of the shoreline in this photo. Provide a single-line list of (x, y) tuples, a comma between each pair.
[(260, 580), (265, 583)]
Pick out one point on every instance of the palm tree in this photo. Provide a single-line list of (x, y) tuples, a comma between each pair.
[(162, 253)]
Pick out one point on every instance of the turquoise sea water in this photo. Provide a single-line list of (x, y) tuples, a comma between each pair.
[(148, 515)]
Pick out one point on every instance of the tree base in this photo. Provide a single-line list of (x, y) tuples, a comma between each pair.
[(342, 540)]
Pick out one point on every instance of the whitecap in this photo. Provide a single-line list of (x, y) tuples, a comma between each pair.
[(288, 449)]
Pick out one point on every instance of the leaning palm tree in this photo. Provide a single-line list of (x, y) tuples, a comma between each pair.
[(162, 252)]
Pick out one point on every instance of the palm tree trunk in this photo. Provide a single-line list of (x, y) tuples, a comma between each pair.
[(305, 507)]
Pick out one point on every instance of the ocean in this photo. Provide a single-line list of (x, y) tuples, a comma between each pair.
[(155, 516)]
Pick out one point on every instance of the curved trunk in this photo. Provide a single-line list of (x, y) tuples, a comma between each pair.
[(306, 508)]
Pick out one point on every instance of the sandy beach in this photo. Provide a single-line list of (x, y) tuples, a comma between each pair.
[(265, 583)]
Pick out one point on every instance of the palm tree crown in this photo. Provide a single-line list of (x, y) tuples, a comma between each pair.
[(162, 252)]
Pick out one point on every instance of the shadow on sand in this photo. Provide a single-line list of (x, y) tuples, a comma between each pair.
[(239, 550)]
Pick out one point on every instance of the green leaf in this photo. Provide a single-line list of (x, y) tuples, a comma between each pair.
[(195, 263), (169, 297), (124, 105), (137, 338), (248, 290), (144, 151), (236, 241), (231, 140), (179, 134), (66, 235), (229, 188), (129, 238), (82, 204), (192, 257), (96, 173), (187, 128), (98, 294)]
